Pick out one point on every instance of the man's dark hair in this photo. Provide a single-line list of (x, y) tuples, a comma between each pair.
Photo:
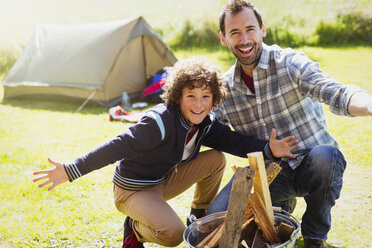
[(235, 6)]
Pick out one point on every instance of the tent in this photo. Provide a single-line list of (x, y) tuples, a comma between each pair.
[(94, 60)]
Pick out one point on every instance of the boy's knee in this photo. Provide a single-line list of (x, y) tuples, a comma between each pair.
[(220, 158), (171, 237)]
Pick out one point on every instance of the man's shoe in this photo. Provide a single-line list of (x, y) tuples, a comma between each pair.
[(314, 243), (194, 215), (130, 240)]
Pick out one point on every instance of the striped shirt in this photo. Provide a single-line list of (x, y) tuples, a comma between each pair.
[(289, 90)]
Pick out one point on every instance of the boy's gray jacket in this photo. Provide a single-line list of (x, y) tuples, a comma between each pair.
[(149, 150)]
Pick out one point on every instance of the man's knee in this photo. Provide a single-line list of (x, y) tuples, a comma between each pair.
[(326, 159), (324, 170)]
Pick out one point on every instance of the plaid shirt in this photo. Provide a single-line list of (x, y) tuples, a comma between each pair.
[(289, 90)]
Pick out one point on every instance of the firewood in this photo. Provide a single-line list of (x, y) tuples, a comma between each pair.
[(262, 219), (244, 244), (261, 186), (272, 170), (277, 209), (258, 240), (248, 231), (248, 217), (212, 238), (240, 192), (285, 231)]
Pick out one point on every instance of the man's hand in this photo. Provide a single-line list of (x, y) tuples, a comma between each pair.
[(360, 104), (55, 176), (282, 148)]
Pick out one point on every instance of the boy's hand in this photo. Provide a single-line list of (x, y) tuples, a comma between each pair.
[(56, 176), (282, 148)]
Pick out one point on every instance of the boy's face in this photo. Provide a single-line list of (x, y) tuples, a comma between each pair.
[(196, 103)]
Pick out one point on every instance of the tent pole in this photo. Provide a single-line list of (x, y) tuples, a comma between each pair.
[(86, 101), (144, 57)]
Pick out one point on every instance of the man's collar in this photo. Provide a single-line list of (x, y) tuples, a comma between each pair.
[(262, 64), (264, 58)]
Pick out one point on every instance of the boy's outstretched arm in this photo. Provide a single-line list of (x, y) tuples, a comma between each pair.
[(282, 148), (55, 176)]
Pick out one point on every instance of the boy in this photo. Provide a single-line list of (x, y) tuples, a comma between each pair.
[(159, 157)]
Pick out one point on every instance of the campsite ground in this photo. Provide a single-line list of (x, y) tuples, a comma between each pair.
[(82, 214)]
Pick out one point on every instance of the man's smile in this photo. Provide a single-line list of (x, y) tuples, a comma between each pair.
[(245, 50)]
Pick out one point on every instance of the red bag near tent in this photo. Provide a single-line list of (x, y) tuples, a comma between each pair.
[(153, 92)]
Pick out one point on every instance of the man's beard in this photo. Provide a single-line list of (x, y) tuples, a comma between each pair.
[(247, 61)]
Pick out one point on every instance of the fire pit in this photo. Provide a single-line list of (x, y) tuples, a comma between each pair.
[(201, 228)]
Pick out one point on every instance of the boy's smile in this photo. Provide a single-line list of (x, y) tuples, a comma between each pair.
[(196, 103)]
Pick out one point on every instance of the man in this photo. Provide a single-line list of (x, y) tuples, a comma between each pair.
[(269, 87)]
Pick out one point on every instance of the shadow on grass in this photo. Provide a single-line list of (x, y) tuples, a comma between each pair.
[(62, 104), (55, 105)]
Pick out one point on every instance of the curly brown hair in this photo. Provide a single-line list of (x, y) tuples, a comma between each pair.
[(195, 72)]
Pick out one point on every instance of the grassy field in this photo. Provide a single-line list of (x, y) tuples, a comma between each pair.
[(82, 213)]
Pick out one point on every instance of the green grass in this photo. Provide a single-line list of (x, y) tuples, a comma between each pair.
[(82, 213)]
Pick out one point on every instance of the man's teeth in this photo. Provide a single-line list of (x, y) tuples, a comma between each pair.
[(246, 49)]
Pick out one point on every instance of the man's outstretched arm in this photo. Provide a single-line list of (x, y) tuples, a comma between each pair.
[(360, 104)]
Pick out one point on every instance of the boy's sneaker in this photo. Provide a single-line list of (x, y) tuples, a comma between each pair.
[(130, 240), (194, 215)]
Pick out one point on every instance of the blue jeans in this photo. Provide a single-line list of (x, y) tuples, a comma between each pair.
[(318, 179)]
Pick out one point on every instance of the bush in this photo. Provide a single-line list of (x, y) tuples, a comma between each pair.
[(7, 58), (349, 29), (205, 33), (283, 37)]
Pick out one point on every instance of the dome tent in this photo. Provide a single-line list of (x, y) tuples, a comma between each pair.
[(97, 60)]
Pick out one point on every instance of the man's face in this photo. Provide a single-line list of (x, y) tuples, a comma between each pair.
[(243, 36)]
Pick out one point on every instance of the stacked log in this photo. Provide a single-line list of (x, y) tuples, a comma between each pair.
[(249, 220)]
